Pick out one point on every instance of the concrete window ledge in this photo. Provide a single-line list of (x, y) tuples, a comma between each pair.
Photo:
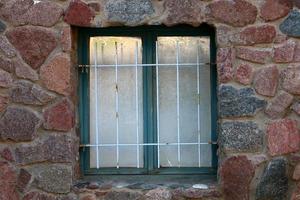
[(147, 187)]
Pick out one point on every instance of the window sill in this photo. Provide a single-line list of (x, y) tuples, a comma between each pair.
[(179, 186)]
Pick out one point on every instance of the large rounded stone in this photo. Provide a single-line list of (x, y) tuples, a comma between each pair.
[(59, 116), (128, 12), (28, 93), (240, 137), (275, 9), (254, 55), (238, 102), (44, 13), (256, 35), (235, 12), (266, 81), (53, 148), (291, 25), (21, 12), (19, 124), (33, 43), (53, 178), (291, 79), (273, 183), (278, 106), (56, 75), (86, 14), (283, 137), (236, 174), (184, 12)]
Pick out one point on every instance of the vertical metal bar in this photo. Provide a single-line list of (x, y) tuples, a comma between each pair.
[(157, 105), (137, 106), (96, 102), (117, 101), (198, 107), (177, 95)]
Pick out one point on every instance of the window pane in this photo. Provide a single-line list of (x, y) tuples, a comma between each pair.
[(181, 90), (116, 110)]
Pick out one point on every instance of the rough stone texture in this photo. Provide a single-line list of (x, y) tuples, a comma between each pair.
[(6, 64), (4, 101), (296, 107), (33, 43), (19, 124), (6, 48), (158, 194), (284, 53), (212, 193), (184, 12), (296, 174), (44, 13), (128, 12), (66, 39), (21, 12), (290, 77), (56, 75), (283, 137), (59, 116), (297, 3), (23, 180), (122, 194), (24, 71), (255, 35), (296, 191), (54, 148), (15, 12), (266, 81), (253, 55), (2, 27), (275, 9), (244, 74), (28, 93), (8, 182), (238, 102), (86, 14), (7, 154), (236, 13), (273, 183), (36, 195), (224, 64), (297, 53), (53, 178), (291, 25), (5, 79), (96, 6), (277, 107), (240, 137), (236, 174)]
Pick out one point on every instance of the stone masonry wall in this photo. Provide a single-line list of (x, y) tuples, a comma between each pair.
[(258, 62)]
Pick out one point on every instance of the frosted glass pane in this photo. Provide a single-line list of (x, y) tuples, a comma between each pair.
[(190, 80), (103, 101)]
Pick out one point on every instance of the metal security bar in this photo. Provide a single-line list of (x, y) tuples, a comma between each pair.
[(136, 65)]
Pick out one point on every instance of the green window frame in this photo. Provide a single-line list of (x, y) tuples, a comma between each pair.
[(148, 34)]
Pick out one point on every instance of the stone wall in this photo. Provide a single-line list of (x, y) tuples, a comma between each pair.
[(258, 62)]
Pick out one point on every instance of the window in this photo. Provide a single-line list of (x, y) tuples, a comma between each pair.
[(147, 100)]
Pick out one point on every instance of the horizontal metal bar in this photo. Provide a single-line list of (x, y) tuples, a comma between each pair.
[(147, 65), (146, 144)]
